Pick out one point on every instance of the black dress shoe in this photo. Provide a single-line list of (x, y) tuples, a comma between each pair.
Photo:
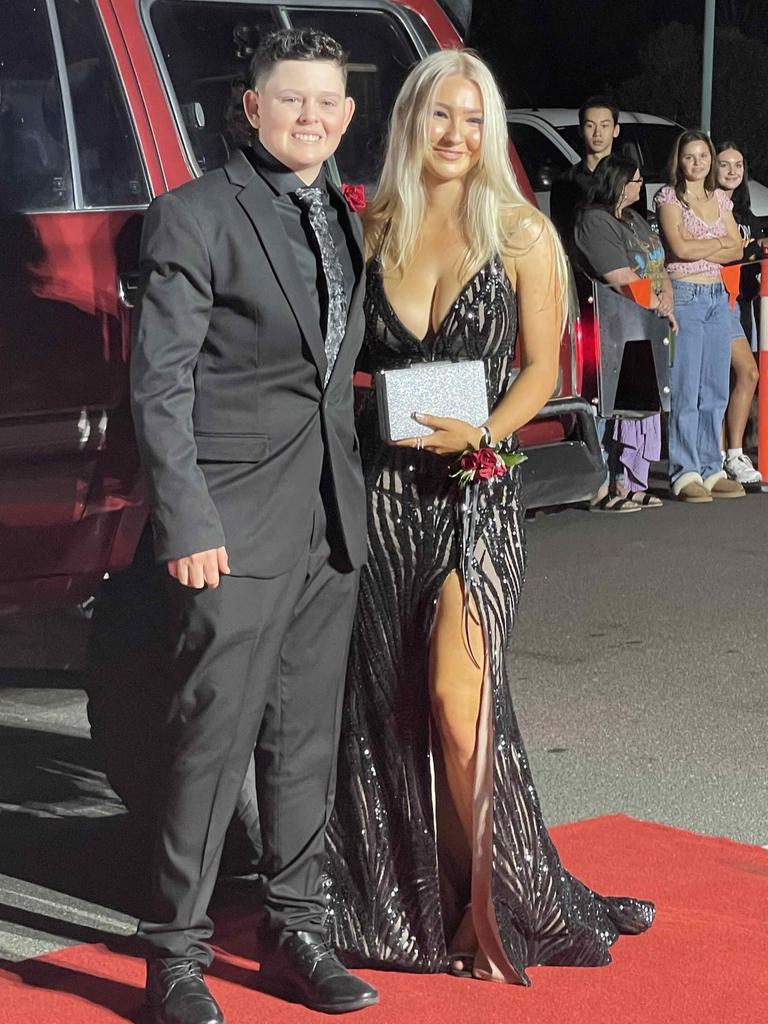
[(303, 968), (177, 993)]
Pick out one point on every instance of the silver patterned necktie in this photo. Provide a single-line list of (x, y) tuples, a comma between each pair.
[(311, 200)]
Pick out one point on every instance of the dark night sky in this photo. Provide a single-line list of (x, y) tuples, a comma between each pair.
[(555, 53)]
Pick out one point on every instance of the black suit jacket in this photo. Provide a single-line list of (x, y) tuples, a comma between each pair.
[(236, 432)]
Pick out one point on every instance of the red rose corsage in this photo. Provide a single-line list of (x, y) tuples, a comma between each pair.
[(472, 466), (355, 197), (485, 464)]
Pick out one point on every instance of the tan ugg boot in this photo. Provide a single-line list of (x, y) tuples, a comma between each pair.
[(690, 487)]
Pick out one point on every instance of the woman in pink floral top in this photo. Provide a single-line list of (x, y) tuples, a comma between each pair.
[(700, 235)]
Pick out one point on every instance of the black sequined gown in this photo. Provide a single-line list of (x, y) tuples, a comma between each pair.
[(384, 883)]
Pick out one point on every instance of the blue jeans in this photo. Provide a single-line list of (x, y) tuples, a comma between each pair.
[(699, 379)]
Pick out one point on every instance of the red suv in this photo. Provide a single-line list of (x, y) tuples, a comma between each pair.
[(104, 104)]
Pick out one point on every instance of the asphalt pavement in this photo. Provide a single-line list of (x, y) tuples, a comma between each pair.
[(641, 665), (638, 667)]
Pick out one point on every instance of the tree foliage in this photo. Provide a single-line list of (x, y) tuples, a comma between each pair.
[(670, 85)]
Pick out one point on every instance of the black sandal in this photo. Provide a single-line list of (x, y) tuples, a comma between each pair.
[(464, 957), (619, 505), (647, 501), (467, 961)]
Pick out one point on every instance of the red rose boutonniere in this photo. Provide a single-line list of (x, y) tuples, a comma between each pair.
[(485, 464), (355, 197)]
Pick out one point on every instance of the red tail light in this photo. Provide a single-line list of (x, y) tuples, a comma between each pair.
[(587, 351)]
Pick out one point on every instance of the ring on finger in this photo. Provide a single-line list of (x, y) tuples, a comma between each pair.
[(419, 443)]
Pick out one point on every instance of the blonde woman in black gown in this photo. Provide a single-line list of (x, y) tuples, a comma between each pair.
[(439, 857)]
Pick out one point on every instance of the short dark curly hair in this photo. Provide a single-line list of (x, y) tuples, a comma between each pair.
[(294, 44)]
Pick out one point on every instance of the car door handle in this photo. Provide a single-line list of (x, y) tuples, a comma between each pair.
[(128, 288)]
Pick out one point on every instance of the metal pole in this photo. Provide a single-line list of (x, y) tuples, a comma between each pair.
[(707, 65)]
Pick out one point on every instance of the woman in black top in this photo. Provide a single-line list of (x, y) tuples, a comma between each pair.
[(733, 179)]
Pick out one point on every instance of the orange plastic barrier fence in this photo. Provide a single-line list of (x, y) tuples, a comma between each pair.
[(640, 291), (731, 276)]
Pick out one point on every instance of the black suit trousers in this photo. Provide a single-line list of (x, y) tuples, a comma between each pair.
[(254, 663)]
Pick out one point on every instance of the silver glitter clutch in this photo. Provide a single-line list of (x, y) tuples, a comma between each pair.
[(449, 389)]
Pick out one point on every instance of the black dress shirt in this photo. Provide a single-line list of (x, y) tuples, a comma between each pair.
[(568, 194), (301, 237)]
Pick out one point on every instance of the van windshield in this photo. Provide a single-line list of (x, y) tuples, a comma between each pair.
[(649, 144)]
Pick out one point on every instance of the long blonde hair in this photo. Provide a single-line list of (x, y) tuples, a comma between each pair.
[(394, 217)]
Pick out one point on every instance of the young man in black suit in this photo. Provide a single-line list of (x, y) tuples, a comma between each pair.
[(247, 331)]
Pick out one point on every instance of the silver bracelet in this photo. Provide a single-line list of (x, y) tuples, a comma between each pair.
[(485, 436)]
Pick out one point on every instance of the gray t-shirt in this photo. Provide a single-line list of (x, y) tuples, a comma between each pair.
[(606, 243)]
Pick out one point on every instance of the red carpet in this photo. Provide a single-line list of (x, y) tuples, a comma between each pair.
[(705, 961)]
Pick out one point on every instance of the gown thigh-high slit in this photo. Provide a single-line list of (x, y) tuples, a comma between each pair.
[(384, 886)]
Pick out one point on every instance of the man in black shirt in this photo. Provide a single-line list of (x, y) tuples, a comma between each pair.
[(599, 127)]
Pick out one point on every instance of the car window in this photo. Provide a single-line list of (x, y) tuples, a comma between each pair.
[(34, 161), (654, 144), (572, 135), (380, 55), (542, 160), (207, 48), (108, 155), (421, 30)]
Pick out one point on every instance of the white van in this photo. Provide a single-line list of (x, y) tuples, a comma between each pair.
[(548, 142)]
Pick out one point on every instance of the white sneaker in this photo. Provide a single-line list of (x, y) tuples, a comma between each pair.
[(740, 468)]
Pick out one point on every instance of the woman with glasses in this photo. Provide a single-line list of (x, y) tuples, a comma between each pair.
[(617, 246), (700, 236)]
